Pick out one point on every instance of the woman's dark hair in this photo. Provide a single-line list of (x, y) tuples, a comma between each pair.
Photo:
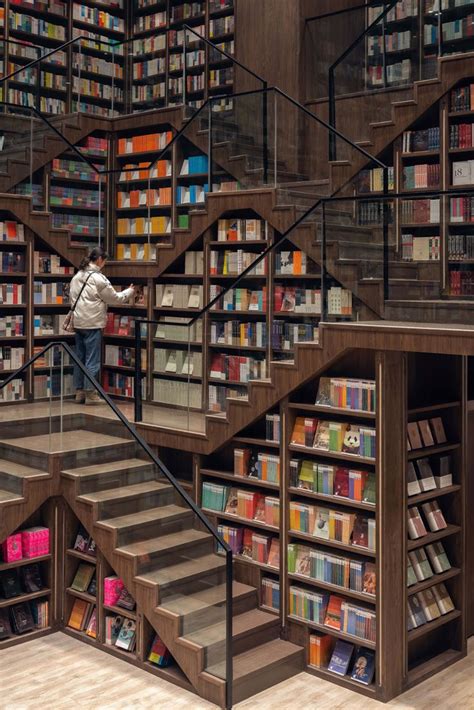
[(94, 255)]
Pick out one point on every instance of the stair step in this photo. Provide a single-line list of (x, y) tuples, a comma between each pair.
[(125, 493), (245, 628), (158, 546), (102, 469), (183, 572), (261, 667), (112, 474), (138, 526), (205, 607), (13, 474), (9, 497)]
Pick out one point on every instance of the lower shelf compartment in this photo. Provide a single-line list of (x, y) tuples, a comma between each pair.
[(345, 681), (434, 665)]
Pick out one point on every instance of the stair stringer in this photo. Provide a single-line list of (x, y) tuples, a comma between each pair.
[(59, 240), (14, 514), (210, 688)]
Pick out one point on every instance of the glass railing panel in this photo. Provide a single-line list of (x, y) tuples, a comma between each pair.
[(175, 550)]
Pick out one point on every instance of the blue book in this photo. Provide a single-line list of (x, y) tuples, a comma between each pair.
[(341, 657), (364, 666)]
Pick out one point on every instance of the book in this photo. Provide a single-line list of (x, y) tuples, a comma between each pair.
[(125, 600), (434, 516), (5, 626), (81, 543), (91, 629), (22, 618), (113, 624), (416, 615), (341, 657), (438, 557), (369, 585), (414, 435), (411, 576), (413, 484), (416, 526), (304, 431), (429, 604), (443, 599), (31, 578), (92, 588), (363, 669), (320, 650), (421, 565), (10, 584), (83, 577), (159, 654), (425, 431), (427, 481), (333, 612), (437, 427), (78, 614), (127, 636), (443, 475)]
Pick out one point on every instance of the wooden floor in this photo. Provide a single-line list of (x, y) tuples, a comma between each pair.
[(57, 673)]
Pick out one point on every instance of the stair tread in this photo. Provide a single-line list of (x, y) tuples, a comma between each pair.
[(17, 469), (205, 598), (164, 543), (124, 491), (6, 496), (241, 625), (58, 442), (144, 516), (256, 659), (182, 570), (109, 467)]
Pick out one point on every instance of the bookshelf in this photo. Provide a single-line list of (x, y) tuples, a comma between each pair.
[(28, 579), (110, 615)]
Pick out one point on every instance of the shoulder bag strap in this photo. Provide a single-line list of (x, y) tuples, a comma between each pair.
[(82, 289)]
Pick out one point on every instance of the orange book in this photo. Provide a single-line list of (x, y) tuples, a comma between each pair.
[(297, 262), (333, 612), (320, 650), (140, 225), (78, 614), (122, 146), (120, 252), (134, 198)]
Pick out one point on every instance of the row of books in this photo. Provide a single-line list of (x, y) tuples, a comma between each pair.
[(122, 356), (23, 618), (424, 211), (11, 231), (460, 247), (12, 262), (258, 465), (45, 324), (235, 332), (148, 93), (94, 65), (53, 7), (144, 198), (295, 299), (11, 358), (334, 436), (36, 26), (273, 428), (142, 226), (221, 77), (59, 384), (421, 478), (373, 213), (11, 294), (221, 27), (254, 545), (286, 335), (422, 140), (390, 74), (353, 529), (11, 325), (432, 515), (394, 42), (98, 18), (179, 296), (325, 479), (17, 582), (462, 209), (332, 569), (237, 368), (462, 98), (86, 225), (47, 263), (148, 143), (54, 292), (179, 394), (149, 45), (415, 248), (347, 393), (55, 357), (239, 299), (339, 301), (143, 171), (461, 135), (74, 197), (421, 175), (66, 168), (118, 384), (135, 252), (150, 22), (187, 10), (425, 433), (463, 172), (26, 544), (96, 89), (168, 328), (428, 605), (243, 503), (179, 362), (191, 194), (462, 28), (461, 283), (334, 612), (342, 658), (13, 392), (402, 10), (117, 324), (372, 180), (270, 591), (234, 262), (426, 562), (241, 230)]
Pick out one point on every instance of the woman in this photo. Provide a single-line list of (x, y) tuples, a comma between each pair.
[(90, 315)]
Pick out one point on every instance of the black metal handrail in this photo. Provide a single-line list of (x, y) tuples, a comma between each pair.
[(332, 69), (167, 474)]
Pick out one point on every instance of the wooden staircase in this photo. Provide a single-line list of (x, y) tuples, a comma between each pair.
[(156, 544)]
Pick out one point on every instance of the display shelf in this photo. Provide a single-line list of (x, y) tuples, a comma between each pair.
[(236, 480), (337, 500), (82, 556), (433, 625), (322, 628), (25, 597), (433, 494), (236, 518), (364, 551), (81, 595), (432, 451), (432, 581), (320, 409), (343, 681), (22, 563), (335, 588), (332, 454), (433, 536), (120, 611)]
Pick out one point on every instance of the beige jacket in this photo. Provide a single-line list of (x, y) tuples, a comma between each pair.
[(91, 309)]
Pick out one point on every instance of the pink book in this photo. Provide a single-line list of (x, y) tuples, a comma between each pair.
[(35, 542), (112, 587), (12, 550)]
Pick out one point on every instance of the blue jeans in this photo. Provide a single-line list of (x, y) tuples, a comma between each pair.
[(88, 350)]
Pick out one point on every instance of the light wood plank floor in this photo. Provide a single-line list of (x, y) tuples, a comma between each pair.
[(60, 673)]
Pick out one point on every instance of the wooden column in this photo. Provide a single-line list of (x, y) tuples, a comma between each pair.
[(391, 523)]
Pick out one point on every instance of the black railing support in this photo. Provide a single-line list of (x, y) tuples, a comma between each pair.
[(324, 303), (265, 133), (138, 372), (385, 218), (332, 115), (229, 671)]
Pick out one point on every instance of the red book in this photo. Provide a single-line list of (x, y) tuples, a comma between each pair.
[(341, 482), (333, 612)]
